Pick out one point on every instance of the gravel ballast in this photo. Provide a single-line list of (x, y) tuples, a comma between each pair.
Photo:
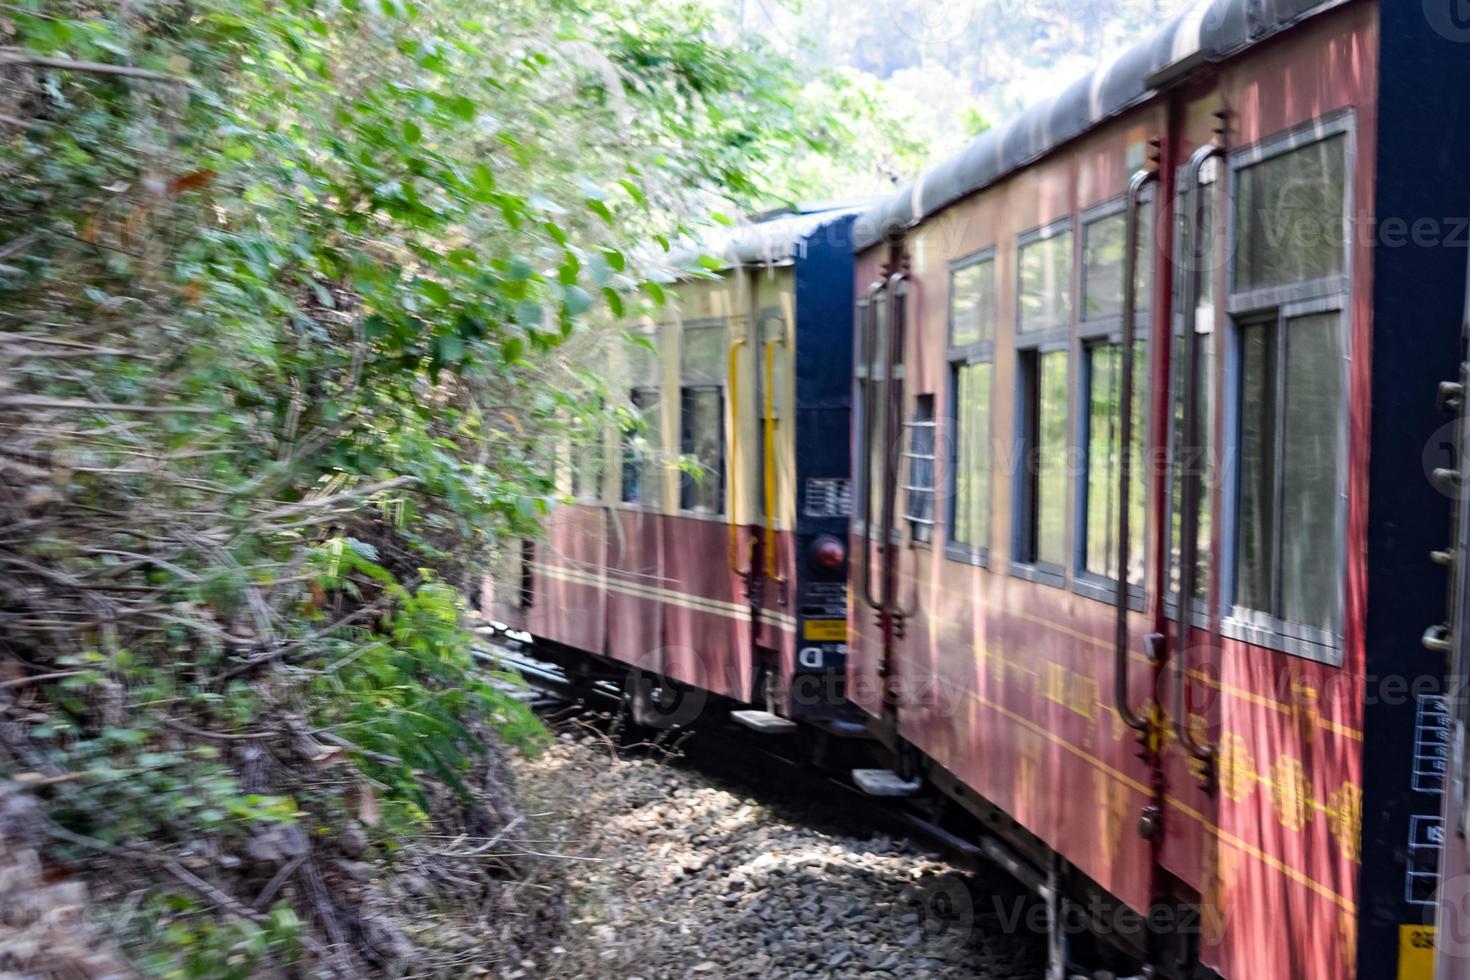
[(703, 867)]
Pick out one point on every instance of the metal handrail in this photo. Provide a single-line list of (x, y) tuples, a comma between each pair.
[(1140, 180), (1189, 450), (866, 484), (773, 568), (893, 454), (734, 507)]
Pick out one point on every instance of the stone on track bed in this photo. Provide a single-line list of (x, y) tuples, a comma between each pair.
[(704, 868)]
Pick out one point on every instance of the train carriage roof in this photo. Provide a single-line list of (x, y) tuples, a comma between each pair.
[(772, 238), (1210, 31)]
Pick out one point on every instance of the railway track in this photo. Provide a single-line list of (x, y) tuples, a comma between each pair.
[(716, 736), (716, 745)]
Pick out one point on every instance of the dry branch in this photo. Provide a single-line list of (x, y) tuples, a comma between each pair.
[(17, 56)]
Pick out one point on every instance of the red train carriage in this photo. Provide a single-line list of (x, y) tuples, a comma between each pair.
[(1176, 337), (731, 580)]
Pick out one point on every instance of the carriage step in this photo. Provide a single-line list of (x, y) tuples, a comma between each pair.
[(764, 722), (884, 782)]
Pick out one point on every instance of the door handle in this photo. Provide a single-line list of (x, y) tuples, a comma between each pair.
[(1188, 449), (734, 515), (1136, 186)]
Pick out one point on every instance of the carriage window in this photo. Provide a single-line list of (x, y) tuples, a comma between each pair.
[(970, 527), (1289, 396), (972, 303), (587, 456), (1102, 263), (1046, 280), (1289, 216), (971, 352), (1104, 252), (1041, 532), (1291, 405), (920, 459), (642, 437), (703, 412), (641, 442), (702, 416), (1103, 385)]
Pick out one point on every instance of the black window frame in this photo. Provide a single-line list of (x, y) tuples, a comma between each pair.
[(635, 467), (690, 388), (958, 357), (1030, 347), (1103, 331)]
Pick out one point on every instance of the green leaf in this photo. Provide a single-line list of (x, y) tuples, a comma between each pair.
[(528, 313), (614, 300), (436, 292), (462, 107), (411, 131), (600, 209), (569, 270), (450, 348), (654, 290), (577, 300), (483, 183)]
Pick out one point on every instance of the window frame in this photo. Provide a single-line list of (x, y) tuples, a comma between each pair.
[(1101, 332), (1059, 226), (981, 351), (1031, 346), (1334, 124), (641, 465), (689, 387), (637, 386), (1279, 305), (597, 445)]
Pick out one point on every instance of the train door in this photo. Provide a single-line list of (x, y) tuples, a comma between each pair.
[(1168, 376)]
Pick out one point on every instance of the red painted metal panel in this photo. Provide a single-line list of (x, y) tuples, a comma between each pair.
[(635, 566), (1007, 683), (706, 642), (568, 605)]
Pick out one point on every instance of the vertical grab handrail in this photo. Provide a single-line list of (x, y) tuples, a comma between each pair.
[(898, 287), (1189, 452), (866, 485), (1141, 180), (773, 568), (735, 347)]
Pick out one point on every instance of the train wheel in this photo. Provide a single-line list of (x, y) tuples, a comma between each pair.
[(657, 702)]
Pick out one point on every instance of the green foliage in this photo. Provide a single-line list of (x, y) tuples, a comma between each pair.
[(192, 945), (294, 337)]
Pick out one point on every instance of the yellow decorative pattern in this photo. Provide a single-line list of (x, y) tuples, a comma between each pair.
[(1112, 813), (1345, 817), (1291, 794), (1237, 768)]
